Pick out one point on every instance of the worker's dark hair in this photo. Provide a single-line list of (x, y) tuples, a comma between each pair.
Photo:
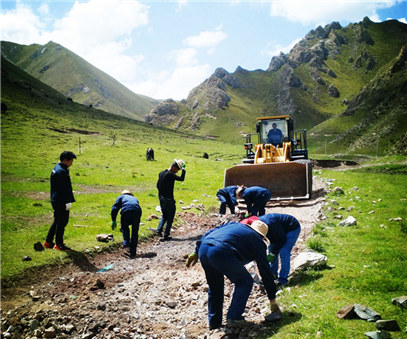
[(174, 164), (68, 155)]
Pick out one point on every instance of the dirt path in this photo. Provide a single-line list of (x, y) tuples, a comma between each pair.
[(152, 296)]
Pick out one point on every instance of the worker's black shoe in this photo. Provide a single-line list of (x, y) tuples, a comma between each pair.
[(166, 238)]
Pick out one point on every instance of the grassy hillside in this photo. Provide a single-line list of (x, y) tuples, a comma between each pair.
[(74, 77), (39, 124)]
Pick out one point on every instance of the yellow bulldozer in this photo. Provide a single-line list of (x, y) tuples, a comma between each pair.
[(278, 162)]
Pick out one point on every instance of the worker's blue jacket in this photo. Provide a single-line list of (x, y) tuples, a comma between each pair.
[(61, 186), (251, 194), (279, 225), (229, 191), (248, 246), (126, 203)]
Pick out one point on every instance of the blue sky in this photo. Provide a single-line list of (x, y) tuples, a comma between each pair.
[(163, 49)]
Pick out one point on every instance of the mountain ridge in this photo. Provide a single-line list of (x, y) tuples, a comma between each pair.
[(76, 78)]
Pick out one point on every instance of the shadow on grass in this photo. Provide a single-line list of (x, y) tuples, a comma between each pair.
[(80, 260), (306, 277)]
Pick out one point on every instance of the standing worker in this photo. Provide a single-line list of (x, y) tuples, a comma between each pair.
[(61, 200), (283, 232), (165, 186), (130, 215), (223, 251), (256, 198), (227, 197)]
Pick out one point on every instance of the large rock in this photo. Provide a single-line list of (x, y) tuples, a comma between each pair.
[(349, 221), (309, 259)]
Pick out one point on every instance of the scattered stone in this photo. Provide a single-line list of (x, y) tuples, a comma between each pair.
[(338, 190), (334, 202), (349, 221), (378, 335), (366, 313), (355, 188), (34, 296), (152, 216), (38, 246), (371, 212), (50, 332), (347, 312), (105, 237), (400, 301), (350, 208), (309, 259), (338, 216), (388, 325), (27, 258), (171, 304), (396, 219), (99, 284)]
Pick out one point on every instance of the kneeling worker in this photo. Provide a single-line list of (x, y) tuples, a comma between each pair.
[(223, 251)]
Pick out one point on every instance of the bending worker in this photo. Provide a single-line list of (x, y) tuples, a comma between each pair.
[(256, 198), (130, 215), (223, 251), (227, 197), (283, 232)]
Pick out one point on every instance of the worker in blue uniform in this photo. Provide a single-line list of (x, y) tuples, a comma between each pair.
[(223, 251), (130, 215), (283, 232), (255, 197), (227, 198)]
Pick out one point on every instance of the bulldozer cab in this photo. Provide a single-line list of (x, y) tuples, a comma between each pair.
[(274, 130)]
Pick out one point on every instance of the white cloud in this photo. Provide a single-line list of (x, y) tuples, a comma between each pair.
[(21, 25), (403, 20), (326, 11), (206, 39), (185, 57), (274, 49), (43, 9)]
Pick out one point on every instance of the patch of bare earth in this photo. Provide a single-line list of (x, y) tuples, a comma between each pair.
[(152, 296)]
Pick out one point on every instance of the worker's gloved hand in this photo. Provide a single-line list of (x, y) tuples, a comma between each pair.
[(192, 259), (114, 224), (68, 206), (270, 257), (184, 165)]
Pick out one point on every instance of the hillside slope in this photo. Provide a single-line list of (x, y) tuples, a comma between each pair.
[(314, 83), (74, 77)]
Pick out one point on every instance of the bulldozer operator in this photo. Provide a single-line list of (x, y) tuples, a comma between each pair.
[(275, 136)]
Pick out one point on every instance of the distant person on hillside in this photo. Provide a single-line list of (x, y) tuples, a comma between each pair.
[(275, 136), (227, 198), (283, 232), (130, 215), (61, 200), (165, 186), (255, 197)]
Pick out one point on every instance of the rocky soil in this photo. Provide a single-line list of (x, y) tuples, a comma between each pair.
[(152, 296)]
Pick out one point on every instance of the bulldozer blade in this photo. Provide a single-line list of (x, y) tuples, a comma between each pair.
[(284, 180)]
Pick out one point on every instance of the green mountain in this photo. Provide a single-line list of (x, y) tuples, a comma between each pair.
[(77, 79), (345, 85)]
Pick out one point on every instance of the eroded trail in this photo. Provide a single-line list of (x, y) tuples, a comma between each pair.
[(152, 296)]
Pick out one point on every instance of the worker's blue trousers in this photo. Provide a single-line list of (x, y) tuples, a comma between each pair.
[(257, 207), (218, 261), (130, 218), (285, 255), (225, 201)]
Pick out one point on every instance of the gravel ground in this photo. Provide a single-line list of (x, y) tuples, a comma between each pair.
[(152, 296)]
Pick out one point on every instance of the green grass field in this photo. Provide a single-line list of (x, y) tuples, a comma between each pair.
[(367, 262)]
